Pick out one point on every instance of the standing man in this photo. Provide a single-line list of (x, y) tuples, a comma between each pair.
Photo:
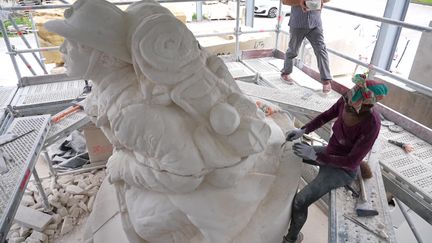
[(307, 23)]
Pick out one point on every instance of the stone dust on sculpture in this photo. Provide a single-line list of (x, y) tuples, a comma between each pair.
[(194, 159)]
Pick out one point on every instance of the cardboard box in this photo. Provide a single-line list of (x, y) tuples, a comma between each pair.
[(98, 146)]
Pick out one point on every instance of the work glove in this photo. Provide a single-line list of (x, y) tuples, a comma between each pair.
[(294, 134), (305, 151)]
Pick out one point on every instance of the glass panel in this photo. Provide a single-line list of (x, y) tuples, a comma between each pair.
[(412, 51)]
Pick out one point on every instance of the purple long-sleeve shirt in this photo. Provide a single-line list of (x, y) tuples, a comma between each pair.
[(348, 145)]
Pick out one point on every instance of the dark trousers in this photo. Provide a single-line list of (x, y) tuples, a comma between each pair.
[(316, 38), (328, 178)]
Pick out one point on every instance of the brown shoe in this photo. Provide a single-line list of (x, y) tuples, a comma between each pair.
[(327, 87), (287, 79)]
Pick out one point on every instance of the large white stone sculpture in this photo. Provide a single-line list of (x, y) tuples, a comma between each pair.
[(194, 159)]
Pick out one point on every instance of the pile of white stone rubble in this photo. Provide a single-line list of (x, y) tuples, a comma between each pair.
[(71, 199)]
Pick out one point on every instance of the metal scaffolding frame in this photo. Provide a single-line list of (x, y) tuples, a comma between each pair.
[(237, 33), (24, 153)]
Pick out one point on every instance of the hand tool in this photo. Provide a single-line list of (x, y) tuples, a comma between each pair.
[(364, 206), (353, 191), (59, 116), (405, 146), (13, 138), (380, 233), (309, 137)]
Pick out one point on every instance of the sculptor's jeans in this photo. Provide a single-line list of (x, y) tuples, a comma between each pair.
[(316, 39), (328, 178)]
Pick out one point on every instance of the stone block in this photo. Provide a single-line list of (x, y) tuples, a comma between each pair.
[(66, 179), (71, 202), (24, 231), (79, 197), (74, 212), (83, 206), (67, 226), (27, 200), (62, 211), (64, 198), (54, 201), (52, 226), (57, 218), (74, 189), (16, 240), (30, 240), (90, 203), (36, 235), (31, 218), (49, 232), (82, 184), (14, 234)]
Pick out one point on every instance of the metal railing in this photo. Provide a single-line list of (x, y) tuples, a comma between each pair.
[(381, 19), (237, 33), (415, 85)]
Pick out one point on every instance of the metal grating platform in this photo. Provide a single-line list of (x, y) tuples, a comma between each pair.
[(296, 98), (239, 71), (343, 206), (24, 153), (44, 79), (288, 96), (261, 65), (6, 95), (408, 175), (273, 80), (67, 125), (39, 96)]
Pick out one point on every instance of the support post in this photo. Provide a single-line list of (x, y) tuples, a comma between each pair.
[(408, 219), (199, 11), (35, 33), (10, 50), (50, 166), (250, 5), (278, 26), (24, 39), (41, 191), (388, 36), (25, 62), (237, 33)]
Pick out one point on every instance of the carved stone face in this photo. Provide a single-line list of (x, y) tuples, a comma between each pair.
[(76, 58)]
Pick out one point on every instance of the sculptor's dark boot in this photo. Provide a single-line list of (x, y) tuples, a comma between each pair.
[(298, 240)]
